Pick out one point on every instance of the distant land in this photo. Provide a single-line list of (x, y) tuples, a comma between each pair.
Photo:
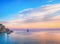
[(40, 29)]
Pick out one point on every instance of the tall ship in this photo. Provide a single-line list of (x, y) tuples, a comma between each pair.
[(27, 30)]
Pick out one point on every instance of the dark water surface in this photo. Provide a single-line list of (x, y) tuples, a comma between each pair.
[(19, 37)]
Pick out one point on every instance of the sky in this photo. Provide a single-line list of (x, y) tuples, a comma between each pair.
[(30, 13)]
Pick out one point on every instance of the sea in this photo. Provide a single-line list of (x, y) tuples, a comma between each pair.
[(31, 37)]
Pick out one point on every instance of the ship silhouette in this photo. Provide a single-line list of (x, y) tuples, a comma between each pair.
[(27, 30)]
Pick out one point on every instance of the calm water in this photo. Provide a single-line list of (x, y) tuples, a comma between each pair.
[(44, 37)]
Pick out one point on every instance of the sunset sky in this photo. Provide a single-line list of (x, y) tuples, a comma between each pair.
[(30, 13)]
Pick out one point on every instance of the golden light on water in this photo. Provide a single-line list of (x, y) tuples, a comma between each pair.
[(45, 37)]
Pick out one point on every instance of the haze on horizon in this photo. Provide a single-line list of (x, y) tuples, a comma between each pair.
[(30, 13)]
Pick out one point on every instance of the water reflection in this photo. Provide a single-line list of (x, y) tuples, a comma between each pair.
[(31, 38), (3, 38)]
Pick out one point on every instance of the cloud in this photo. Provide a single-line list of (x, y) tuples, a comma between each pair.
[(38, 14), (44, 13), (50, 0), (25, 10)]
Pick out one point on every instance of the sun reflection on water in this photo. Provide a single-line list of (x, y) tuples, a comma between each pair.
[(45, 37)]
